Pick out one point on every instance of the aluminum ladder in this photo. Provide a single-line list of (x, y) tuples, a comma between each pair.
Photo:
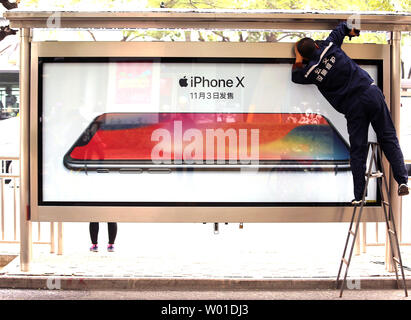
[(376, 156)]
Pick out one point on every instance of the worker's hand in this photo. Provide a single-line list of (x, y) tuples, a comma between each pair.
[(6, 31), (9, 5), (354, 33)]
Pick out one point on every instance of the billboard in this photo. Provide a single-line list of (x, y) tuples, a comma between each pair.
[(189, 132)]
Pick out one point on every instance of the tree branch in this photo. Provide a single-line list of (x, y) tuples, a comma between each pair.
[(200, 36), (270, 37), (92, 35), (242, 39), (1, 52), (126, 35), (220, 34), (192, 4)]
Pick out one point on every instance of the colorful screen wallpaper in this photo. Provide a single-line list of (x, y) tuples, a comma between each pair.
[(142, 131), (195, 136)]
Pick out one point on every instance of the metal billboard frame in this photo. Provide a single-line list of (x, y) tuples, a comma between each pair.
[(167, 213)]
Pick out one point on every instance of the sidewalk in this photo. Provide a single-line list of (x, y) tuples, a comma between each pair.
[(148, 256)]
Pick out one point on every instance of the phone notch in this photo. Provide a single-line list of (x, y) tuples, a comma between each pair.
[(131, 171)]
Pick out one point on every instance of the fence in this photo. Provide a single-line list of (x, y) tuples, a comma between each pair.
[(10, 210)]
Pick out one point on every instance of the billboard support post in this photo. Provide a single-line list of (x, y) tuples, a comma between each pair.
[(25, 223), (395, 104)]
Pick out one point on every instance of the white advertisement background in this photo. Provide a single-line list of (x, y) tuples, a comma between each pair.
[(75, 93)]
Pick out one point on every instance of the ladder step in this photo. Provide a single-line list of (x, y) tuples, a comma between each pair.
[(386, 203), (391, 231), (345, 261), (351, 232), (377, 174), (396, 260)]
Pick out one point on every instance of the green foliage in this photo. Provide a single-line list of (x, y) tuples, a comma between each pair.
[(340, 5), (201, 35), (226, 35)]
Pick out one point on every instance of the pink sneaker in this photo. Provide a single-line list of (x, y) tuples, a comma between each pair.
[(110, 247), (94, 248)]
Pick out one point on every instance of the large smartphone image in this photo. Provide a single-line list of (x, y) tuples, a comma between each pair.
[(135, 142)]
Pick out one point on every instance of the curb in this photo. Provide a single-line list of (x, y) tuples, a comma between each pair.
[(90, 283)]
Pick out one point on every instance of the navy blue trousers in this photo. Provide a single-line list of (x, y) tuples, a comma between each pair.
[(370, 108)]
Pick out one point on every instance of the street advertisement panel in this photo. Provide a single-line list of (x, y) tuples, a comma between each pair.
[(189, 132)]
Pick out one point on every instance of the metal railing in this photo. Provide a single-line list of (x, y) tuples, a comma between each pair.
[(9, 206)]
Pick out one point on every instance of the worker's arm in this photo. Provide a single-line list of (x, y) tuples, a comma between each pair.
[(338, 34), (297, 73)]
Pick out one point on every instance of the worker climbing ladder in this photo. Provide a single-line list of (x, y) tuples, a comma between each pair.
[(374, 162)]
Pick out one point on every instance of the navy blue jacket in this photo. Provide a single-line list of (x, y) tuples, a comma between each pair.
[(339, 79)]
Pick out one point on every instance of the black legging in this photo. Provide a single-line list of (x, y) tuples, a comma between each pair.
[(112, 232)]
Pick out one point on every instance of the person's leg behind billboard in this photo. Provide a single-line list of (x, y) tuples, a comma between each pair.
[(94, 228), (112, 233)]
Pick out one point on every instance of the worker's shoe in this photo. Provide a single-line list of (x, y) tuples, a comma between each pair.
[(356, 202), (403, 190), (110, 248), (94, 248)]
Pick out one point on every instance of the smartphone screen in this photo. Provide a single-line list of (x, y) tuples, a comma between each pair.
[(184, 137)]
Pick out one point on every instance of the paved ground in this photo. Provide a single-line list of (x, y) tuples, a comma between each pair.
[(21, 294), (171, 254), (193, 251)]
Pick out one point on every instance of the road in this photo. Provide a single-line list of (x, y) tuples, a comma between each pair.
[(24, 294)]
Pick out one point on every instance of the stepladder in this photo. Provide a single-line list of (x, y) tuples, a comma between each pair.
[(375, 170)]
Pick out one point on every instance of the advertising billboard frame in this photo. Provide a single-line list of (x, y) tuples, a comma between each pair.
[(192, 213)]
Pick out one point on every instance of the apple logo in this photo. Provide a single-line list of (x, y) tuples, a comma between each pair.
[(183, 82)]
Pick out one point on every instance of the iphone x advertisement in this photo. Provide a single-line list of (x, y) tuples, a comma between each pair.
[(189, 131)]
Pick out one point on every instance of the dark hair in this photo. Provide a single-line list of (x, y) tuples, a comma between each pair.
[(306, 47)]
